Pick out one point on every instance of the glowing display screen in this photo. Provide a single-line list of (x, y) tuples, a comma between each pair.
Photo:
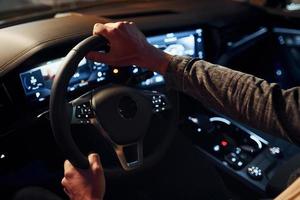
[(185, 43), (37, 82)]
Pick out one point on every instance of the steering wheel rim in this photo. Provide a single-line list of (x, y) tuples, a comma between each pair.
[(60, 109)]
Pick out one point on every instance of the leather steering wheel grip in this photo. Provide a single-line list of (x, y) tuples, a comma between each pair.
[(59, 106)]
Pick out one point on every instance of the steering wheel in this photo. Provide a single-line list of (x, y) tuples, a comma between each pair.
[(121, 114)]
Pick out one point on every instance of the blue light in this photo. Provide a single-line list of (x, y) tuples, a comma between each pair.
[(281, 40), (135, 70), (279, 72)]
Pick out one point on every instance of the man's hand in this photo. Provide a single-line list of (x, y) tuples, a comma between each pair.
[(84, 184), (128, 46)]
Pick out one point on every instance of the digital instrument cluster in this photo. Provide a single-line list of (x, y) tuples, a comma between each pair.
[(38, 80)]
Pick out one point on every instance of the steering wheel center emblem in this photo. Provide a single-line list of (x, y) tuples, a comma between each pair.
[(127, 107)]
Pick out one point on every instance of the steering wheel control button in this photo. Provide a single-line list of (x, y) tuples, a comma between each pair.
[(275, 151), (255, 172), (85, 121), (159, 103), (84, 111)]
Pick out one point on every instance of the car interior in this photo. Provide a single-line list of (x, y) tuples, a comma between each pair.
[(154, 142)]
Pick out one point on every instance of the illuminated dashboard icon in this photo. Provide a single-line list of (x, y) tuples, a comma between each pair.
[(135, 70), (83, 83), (200, 54), (99, 64), (217, 148), (41, 99), (71, 89), (76, 75), (115, 71), (37, 94), (32, 80), (159, 79), (100, 79)]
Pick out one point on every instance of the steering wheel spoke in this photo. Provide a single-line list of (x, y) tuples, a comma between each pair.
[(130, 156), (82, 111)]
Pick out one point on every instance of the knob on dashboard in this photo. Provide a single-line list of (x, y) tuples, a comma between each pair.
[(275, 151), (255, 172)]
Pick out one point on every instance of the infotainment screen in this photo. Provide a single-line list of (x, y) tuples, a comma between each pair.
[(184, 43), (38, 80)]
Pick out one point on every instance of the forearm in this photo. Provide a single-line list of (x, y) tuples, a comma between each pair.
[(240, 96)]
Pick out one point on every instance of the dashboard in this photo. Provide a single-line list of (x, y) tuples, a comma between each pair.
[(37, 81)]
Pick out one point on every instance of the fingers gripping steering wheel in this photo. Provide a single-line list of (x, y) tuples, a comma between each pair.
[(121, 114)]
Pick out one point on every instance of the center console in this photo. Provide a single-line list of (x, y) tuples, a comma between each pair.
[(249, 156)]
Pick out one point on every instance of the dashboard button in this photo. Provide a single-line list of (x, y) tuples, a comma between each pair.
[(255, 172), (246, 157), (234, 161), (249, 149), (237, 150), (275, 151)]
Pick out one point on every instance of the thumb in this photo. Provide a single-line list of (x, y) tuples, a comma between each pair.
[(94, 160)]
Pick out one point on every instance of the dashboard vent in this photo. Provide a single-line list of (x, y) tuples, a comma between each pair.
[(237, 39), (237, 36), (247, 38), (140, 14)]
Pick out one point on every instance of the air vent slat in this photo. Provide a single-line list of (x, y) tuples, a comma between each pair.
[(236, 36)]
